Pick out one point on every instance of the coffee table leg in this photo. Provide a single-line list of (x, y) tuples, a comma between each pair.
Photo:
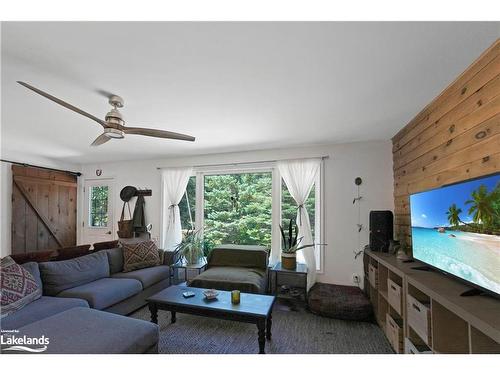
[(269, 324), (261, 325), (172, 318), (153, 309)]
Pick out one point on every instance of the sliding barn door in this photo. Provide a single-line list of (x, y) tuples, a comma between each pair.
[(43, 209)]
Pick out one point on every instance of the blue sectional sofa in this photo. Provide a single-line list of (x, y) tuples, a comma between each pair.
[(73, 293)]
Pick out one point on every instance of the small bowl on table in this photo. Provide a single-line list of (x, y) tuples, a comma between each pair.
[(210, 294)]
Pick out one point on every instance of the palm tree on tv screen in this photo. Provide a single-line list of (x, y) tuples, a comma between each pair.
[(482, 205), (454, 215)]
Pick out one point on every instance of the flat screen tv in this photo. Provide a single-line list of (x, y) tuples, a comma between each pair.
[(456, 229)]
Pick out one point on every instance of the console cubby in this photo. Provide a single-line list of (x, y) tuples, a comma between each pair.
[(419, 318), (373, 275), (382, 277), (415, 346), (428, 310), (374, 299), (395, 295), (394, 332), (382, 310), (482, 344), (450, 332)]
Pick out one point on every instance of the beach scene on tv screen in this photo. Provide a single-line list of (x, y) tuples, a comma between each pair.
[(457, 229)]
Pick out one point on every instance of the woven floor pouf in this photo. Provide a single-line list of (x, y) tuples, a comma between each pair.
[(340, 302)]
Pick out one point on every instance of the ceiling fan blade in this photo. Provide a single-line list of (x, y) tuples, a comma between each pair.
[(103, 138), (63, 103), (157, 133)]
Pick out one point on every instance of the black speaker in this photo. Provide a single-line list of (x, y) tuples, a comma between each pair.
[(381, 230)]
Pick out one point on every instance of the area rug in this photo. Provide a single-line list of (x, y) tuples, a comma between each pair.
[(294, 331)]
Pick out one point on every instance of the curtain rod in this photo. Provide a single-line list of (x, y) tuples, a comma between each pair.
[(39, 167), (251, 162)]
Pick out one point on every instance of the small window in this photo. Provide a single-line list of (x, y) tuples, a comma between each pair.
[(289, 207), (289, 211), (98, 202), (187, 205)]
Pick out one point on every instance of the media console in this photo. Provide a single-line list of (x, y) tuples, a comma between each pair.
[(424, 312)]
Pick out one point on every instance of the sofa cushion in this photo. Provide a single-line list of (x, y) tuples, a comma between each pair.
[(40, 309), (71, 252), (147, 276), (115, 259), (32, 268), (88, 331), (103, 293), (249, 280), (18, 287), (238, 256), (34, 256), (105, 245), (140, 255), (66, 274)]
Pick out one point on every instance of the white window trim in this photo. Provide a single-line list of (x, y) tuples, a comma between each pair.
[(201, 172)]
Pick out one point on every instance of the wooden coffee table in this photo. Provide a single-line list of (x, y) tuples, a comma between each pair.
[(253, 308)]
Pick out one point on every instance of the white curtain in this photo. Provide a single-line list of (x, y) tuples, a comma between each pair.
[(299, 177), (173, 184)]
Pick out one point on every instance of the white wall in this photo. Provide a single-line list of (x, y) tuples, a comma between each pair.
[(6, 192), (372, 161)]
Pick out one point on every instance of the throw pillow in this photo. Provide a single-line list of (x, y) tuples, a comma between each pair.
[(140, 255), (19, 287)]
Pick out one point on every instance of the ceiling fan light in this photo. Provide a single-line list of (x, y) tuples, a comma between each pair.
[(114, 133)]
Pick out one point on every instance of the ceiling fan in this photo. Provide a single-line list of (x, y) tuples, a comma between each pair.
[(113, 124)]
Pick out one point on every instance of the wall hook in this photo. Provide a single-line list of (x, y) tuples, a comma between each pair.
[(356, 199)]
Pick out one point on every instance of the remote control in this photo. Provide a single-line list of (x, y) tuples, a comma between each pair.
[(188, 294)]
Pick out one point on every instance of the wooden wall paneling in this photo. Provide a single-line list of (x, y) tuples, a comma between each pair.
[(455, 138), (472, 151), (457, 102), (446, 129), (458, 84), (480, 133)]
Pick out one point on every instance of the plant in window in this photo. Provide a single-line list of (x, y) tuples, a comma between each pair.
[(291, 244), (191, 247)]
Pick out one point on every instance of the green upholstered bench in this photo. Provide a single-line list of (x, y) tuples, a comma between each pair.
[(235, 267)]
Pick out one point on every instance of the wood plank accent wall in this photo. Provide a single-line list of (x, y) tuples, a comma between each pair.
[(43, 209), (454, 138)]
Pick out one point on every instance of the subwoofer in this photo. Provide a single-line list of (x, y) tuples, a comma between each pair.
[(381, 230)]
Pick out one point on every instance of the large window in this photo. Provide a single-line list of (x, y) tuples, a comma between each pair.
[(237, 209), (240, 206)]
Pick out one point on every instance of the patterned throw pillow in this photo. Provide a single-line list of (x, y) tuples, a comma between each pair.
[(18, 287), (140, 255)]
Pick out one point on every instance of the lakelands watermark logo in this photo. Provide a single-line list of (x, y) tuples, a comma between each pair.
[(12, 341)]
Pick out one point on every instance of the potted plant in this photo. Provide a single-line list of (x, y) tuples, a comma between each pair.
[(291, 244), (191, 247)]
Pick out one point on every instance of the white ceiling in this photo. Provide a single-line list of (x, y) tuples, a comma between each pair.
[(235, 86)]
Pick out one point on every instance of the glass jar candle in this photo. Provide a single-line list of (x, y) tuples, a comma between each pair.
[(235, 297)]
